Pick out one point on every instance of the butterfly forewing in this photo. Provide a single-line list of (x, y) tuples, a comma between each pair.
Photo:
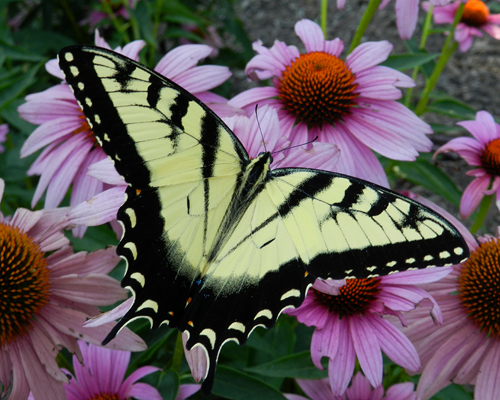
[(215, 243)]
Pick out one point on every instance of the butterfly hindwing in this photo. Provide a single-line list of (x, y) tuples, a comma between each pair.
[(217, 244), (360, 229)]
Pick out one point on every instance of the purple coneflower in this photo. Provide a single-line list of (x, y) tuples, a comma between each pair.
[(349, 323), (360, 389), (351, 103), (482, 151), (466, 348), (47, 293), (102, 376), (70, 146), (476, 17)]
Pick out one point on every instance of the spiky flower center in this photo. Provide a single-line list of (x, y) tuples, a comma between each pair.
[(105, 396), (317, 88), (490, 158), (479, 287), (475, 13), (24, 283), (354, 297)]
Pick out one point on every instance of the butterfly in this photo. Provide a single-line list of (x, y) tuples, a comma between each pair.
[(217, 243)]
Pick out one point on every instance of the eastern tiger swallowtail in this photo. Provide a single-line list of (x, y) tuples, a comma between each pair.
[(217, 243)]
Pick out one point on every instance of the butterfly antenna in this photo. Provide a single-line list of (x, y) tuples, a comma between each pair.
[(260, 129), (297, 145)]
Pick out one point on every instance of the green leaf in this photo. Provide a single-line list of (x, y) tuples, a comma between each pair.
[(9, 114), (451, 107), (403, 62), (95, 238), (9, 94), (294, 366), (424, 173), (169, 385), (452, 392), (441, 128), (18, 54), (142, 14), (233, 384), (40, 41), (413, 48)]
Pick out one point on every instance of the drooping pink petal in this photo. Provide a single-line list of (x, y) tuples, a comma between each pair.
[(49, 132), (341, 367), (368, 54), (186, 391), (100, 209), (355, 158), (91, 289), (401, 391), (197, 360), (488, 378), (361, 389), (439, 370), (71, 321), (367, 349), (368, 130), (61, 180), (406, 17), (200, 79), (143, 391), (395, 344), (468, 148), (250, 97), (316, 389), (181, 59), (483, 128), (310, 34), (42, 386), (325, 342), (472, 196)]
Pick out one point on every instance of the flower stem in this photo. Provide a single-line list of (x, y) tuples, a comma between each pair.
[(481, 215), (178, 352), (425, 34), (324, 12), (119, 28), (449, 47), (363, 24)]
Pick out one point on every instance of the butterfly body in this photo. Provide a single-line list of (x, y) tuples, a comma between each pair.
[(217, 243)]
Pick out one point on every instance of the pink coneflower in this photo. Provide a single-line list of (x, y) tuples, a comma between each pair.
[(102, 377), (349, 323), (70, 146), (484, 152), (360, 389), (476, 16), (466, 348), (257, 133), (47, 293), (348, 103)]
